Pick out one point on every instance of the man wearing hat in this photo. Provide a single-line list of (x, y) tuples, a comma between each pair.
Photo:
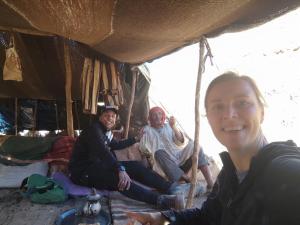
[(94, 164)]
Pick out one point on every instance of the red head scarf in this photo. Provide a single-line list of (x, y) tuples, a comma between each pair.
[(152, 111)]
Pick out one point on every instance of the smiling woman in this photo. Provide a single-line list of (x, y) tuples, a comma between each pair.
[(259, 181)]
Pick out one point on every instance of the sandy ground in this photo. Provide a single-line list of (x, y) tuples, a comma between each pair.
[(15, 210)]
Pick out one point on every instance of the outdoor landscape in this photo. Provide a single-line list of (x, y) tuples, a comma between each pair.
[(269, 53)]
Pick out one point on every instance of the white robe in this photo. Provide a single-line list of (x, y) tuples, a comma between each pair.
[(164, 138)]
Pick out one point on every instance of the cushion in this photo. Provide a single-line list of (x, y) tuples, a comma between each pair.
[(12, 176), (131, 153), (74, 189)]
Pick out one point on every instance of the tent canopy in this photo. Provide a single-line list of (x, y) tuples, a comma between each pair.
[(137, 31)]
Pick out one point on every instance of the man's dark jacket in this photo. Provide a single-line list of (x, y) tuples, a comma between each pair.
[(268, 195), (93, 146)]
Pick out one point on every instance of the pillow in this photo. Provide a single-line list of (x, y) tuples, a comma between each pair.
[(12, 176), (74, 189), (131, 153)]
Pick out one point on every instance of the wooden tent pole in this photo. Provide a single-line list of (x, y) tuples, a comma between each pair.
[(132, 94), (16, 116), (68, 89), (197, 124), (56, 115), (34, 116), (77, 115)]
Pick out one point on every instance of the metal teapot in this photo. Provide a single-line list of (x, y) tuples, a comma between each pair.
[(92, 207)]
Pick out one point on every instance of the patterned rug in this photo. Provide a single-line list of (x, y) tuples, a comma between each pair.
[(120, 204)]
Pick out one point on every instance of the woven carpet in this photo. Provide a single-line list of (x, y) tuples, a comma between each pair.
[(120, 204)]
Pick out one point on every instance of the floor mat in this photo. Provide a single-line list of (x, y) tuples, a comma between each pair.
[(120, 204)]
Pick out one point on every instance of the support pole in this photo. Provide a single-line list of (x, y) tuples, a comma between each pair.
[(34, 116), (197, 125), (68, 89), (56, 115), (16, 116), (77, 115), (132, 94)]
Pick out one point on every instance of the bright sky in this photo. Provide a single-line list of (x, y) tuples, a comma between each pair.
[(269, 53)]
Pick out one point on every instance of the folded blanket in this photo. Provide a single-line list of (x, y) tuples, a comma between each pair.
[(74, 189), (61, 150), (26, 148)]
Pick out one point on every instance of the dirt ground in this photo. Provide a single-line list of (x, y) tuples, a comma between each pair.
[(15, 210)]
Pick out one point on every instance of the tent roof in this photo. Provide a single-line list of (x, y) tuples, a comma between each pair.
[(136, 31)]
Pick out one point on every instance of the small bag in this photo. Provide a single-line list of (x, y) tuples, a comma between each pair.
[(12, 69), (43, 190)]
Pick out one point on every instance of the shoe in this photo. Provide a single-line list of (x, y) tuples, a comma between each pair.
[(185, 189), (166, 202)]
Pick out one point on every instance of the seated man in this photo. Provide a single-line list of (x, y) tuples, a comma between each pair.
[(94, 164), (172, 152)]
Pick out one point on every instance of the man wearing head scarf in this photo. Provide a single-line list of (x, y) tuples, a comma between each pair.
[(171, 151)]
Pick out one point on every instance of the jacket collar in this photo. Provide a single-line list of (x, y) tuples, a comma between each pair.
[(257, 165)]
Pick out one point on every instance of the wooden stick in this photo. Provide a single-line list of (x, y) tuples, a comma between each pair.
[(132, 94), (56, 115), (68, 89), (16, 116), (34, 116), (77, 115), (197, 125), (95, 87)]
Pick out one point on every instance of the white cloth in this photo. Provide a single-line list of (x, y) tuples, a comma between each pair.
[(12, 176), (164, 138), (109, 135)]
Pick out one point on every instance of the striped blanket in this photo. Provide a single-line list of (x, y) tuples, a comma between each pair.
[(120, 204)]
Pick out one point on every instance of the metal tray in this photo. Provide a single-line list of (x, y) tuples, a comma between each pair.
[(69, 217)]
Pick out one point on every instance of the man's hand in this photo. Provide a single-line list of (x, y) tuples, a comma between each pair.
[(178, 134), (146, 218), (172, 122), (124, 181)]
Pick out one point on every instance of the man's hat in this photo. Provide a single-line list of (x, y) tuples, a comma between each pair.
[(105, 108)]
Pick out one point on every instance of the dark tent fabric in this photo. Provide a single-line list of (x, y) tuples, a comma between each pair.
[(139, 112), (43, 69), (125, 31), (137, 31)]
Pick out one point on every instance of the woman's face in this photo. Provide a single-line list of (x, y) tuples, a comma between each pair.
[(108, 119), (234, 114)]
